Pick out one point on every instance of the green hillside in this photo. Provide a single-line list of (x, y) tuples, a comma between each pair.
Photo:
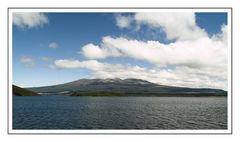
[(18, 91)]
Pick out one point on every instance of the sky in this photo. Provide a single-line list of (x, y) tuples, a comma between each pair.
[(177, 49)]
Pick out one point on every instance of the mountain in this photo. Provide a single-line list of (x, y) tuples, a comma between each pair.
[(18, 91), (130, 87)]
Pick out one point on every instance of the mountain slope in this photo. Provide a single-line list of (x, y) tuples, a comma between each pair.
[(18, 91), (135, 87)]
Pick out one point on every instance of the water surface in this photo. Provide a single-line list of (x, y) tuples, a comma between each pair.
[(64, 112)]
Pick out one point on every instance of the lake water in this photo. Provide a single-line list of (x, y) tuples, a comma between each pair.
[(64, 112)]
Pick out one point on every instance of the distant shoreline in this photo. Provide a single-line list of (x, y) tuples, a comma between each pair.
[(114, 94), (149, 95), (118, 96)]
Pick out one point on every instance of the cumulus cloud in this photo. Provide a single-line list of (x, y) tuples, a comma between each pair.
[(123, 21), (203, 52), (53, 45), (29, 19), (181, 76), (222, 36), (95, 52), (198, 61), (193, 60), (90, 64), (178, 26), (27, 61)]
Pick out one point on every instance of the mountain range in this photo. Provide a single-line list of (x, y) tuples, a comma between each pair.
[(130, 87)]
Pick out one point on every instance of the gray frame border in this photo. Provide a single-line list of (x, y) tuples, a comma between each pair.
[(231, 117)]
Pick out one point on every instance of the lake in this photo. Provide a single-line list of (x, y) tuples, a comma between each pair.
[(163, 113)]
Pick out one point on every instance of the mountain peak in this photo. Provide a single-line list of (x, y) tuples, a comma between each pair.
[(127, 86)]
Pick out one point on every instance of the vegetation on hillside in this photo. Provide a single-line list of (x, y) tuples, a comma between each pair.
[(18, 91), (98, 94), (124, 87)]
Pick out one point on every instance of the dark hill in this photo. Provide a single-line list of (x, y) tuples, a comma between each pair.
[(130, 87), (18, 91)]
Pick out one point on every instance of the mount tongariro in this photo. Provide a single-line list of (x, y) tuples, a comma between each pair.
[(130, 87)]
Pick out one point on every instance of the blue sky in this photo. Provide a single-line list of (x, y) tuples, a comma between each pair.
[(53, 48)]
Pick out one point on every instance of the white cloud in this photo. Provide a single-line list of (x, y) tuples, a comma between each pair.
[(123, 21), (197, 63), (179, 26), (193, 60), (89, 64), (53, 45), (29, 20), (181, 76), (204, 52), (92, 51), (65, 63), (222, 36), (44, 58), (27, 61)]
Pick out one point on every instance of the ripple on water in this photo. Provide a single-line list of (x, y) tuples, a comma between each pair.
[(61, 112)]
